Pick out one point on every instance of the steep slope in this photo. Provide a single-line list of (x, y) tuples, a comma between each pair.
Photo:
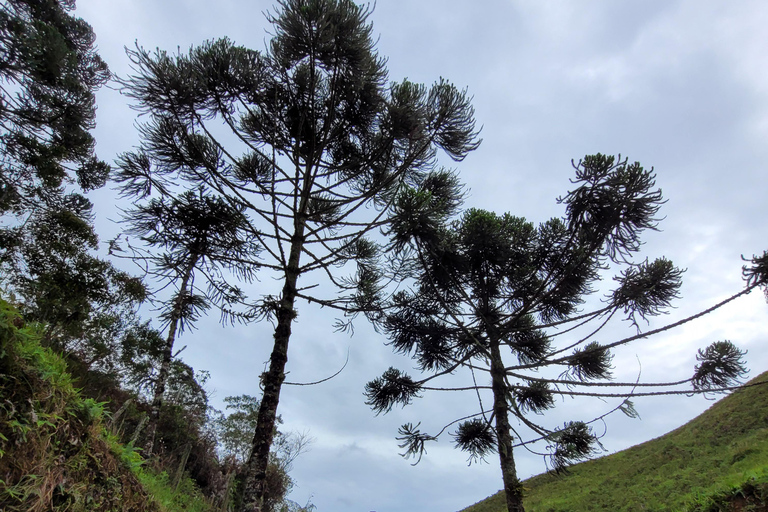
[(55, 453), (718, 462)]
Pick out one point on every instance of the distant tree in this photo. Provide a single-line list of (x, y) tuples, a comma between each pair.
[(49, 71), (499, 296), (193, 233), (318, 146), (235, 432)]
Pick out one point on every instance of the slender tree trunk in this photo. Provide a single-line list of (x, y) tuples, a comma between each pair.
[(165, 364), (254, 488), (513, 488)]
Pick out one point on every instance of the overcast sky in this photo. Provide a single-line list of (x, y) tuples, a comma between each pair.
[(678, 85)]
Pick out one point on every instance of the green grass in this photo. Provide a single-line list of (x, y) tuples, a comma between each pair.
[(703, 466)]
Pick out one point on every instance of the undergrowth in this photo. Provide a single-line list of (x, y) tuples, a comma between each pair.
[(56, 452)]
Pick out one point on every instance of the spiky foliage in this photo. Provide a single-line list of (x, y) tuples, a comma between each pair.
[(50, 71), (475, 437), (393, 387), (720, 364), (756, 273), (194, 233), (320, 148), (499, 295), (572, 443)]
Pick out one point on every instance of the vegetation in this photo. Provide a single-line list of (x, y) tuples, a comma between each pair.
[(50, 72), (305, 163), (194, 233), (49, 76), (318, 147), (718, 462), (61, 449), (55, 453), (501, 298)]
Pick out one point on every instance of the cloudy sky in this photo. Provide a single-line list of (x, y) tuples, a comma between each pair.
[(678, 85)]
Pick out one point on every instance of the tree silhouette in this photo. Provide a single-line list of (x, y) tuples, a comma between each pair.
[(318, 147), (497, 295)]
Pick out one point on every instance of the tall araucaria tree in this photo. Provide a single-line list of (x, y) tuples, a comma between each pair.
[(500, 297), (193, 233), (314, 145)]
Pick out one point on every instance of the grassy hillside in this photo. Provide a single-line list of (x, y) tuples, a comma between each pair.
[(718, 462), (56, 452)]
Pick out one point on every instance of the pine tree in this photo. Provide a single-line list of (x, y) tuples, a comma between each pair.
[(191, 234), (50, 71), (499, 296), (319, 145)]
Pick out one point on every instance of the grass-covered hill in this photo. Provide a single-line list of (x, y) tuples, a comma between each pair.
[(717, 462)]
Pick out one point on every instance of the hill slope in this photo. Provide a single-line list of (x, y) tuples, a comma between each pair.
[(718, 462), (56, 452)]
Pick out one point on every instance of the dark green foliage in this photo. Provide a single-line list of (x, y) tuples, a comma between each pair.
[(475, 437), (412, 440), (391, 388), (141, 348), (648, 288), (52, 71), (499, 296), (720, 364), (85, 301), (192, 232), (589, 363), (757, 273), (572, 443), (535, 397), (612, 205), (321, 147)]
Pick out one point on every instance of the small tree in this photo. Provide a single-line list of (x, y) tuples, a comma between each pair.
[(235, 432), (497, 295), (318, 148), (191, 232)]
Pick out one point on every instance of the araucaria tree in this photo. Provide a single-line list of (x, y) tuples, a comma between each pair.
[(49, 71), (501, 298), (311, 143), (194, 233)]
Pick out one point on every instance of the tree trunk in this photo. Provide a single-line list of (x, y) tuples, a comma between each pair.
[(254, 488), (513, 488), (165, 364)]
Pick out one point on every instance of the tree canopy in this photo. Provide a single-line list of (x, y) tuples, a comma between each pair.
[(503, 298), (319, 146), (50, 71)]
